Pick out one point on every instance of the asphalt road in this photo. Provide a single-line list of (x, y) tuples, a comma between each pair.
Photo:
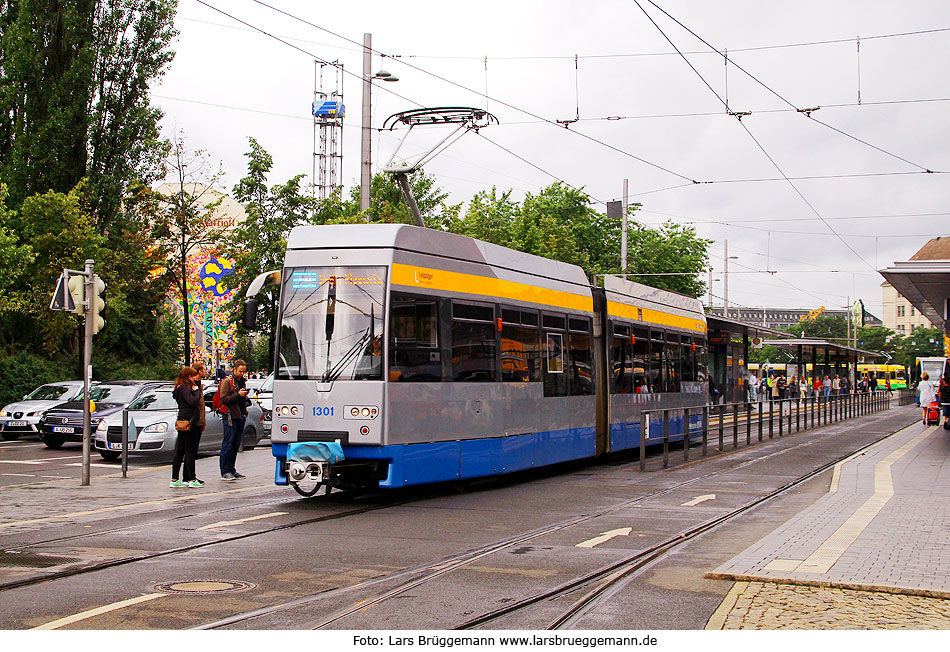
[(28, 460), (259, 545)]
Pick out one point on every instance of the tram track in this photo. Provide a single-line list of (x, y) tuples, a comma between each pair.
[(131, 559), (604, 578)]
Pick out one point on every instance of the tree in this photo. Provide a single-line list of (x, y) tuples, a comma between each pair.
[(670, 248), (560, 223), (183, 220), (74, 84), (823, 327), (387, 204), (258, 244), (921, 343)]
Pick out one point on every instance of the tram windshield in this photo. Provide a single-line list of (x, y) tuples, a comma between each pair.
[(331, 327)]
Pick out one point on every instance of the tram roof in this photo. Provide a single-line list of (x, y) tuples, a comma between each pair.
[(432, 242)]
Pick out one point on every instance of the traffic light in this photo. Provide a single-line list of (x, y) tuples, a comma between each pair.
[(77, 289), (98, 304)]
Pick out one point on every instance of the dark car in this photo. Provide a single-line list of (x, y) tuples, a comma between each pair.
[(64, 423)]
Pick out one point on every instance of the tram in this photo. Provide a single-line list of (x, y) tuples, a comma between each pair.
[(407, 356)]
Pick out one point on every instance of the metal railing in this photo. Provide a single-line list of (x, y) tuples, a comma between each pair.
[(768, 417), (906, 396)]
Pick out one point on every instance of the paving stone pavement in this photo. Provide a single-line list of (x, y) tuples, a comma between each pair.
[(768, 605), (884, 525)]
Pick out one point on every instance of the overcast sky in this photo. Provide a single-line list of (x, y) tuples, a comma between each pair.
[(229, 82)]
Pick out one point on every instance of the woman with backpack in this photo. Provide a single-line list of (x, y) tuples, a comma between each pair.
[(943, 393), (928, 393)]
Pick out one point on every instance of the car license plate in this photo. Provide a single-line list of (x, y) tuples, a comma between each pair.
[(17, 424), (115, 446), (62, 429)]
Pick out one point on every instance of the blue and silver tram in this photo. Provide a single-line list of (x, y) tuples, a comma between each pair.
[(408, 356)]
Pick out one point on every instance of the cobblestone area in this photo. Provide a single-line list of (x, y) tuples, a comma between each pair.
[(766, 605)]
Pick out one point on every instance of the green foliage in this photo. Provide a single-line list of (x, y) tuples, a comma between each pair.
[(921, 343), (670, 248), (23, 371), (258, 244), (559, 223), (74, 83), (823, 327)]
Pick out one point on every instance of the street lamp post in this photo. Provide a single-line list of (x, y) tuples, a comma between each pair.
[(623, 229), (366, 150)]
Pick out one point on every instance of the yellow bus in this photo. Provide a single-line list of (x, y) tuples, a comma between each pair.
[(884, 372)]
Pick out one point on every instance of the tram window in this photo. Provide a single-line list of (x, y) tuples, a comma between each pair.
[(688, 373), (473, 352), (474, 343), (657, 378), (579, 325), (529, 318), (641, 359), (555, 322), (673, 358), (621, 354), (509, 316), (520, 354), (414, 339), (581, 361), (555, 380), (473, 311)]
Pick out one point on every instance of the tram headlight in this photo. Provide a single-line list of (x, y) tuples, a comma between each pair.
[(354, 412), (364, 412)]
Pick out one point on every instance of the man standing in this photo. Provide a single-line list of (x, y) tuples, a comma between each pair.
[(233, 395), (753, 383)]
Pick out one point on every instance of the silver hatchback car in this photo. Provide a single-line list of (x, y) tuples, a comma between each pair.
[(152, 426)]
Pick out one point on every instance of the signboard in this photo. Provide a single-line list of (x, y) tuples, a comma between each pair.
[(62, 299), (857, 313), (757, 343)]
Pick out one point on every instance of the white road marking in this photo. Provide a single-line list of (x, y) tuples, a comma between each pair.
[(605, 536), (68, 620), (101, 466), (241, 520), (20, 475), (18, 462), (116, 508), (699, 499)]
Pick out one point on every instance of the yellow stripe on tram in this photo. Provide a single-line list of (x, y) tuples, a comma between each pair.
[(655, 317), (491, 288)]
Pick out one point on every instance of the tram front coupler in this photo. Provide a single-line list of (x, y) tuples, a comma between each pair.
[(298, 471)]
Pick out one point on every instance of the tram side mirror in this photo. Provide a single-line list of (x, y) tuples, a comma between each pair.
[(249, 320)]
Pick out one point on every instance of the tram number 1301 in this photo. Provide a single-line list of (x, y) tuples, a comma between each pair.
[(323, 411)]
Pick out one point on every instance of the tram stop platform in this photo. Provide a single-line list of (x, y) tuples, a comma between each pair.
[(883, 526)]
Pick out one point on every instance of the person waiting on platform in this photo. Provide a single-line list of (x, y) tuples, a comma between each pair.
[(928, 393)]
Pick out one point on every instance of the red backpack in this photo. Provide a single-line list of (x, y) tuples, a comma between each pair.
[(216, 403)]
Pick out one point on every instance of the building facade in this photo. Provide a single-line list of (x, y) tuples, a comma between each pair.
[(899, 313), (781, 318)]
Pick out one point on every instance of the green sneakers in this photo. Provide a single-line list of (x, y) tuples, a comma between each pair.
[(176, 483)]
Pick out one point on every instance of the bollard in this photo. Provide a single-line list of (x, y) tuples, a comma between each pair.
[(759, 410), (666, 438), (705, 428), (722, 415), (748, 424), (125, 442), (685, 434), (771, 419), (781, 423), (735, 426), (644, 431)]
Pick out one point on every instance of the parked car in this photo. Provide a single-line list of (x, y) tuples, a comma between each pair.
[(153, 415), (23, 417), (64, 423), (264, 397)]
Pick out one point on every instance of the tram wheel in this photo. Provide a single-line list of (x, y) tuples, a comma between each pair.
[(307, 492)]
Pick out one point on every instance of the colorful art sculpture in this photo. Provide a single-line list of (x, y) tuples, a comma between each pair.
[(208, 292)]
